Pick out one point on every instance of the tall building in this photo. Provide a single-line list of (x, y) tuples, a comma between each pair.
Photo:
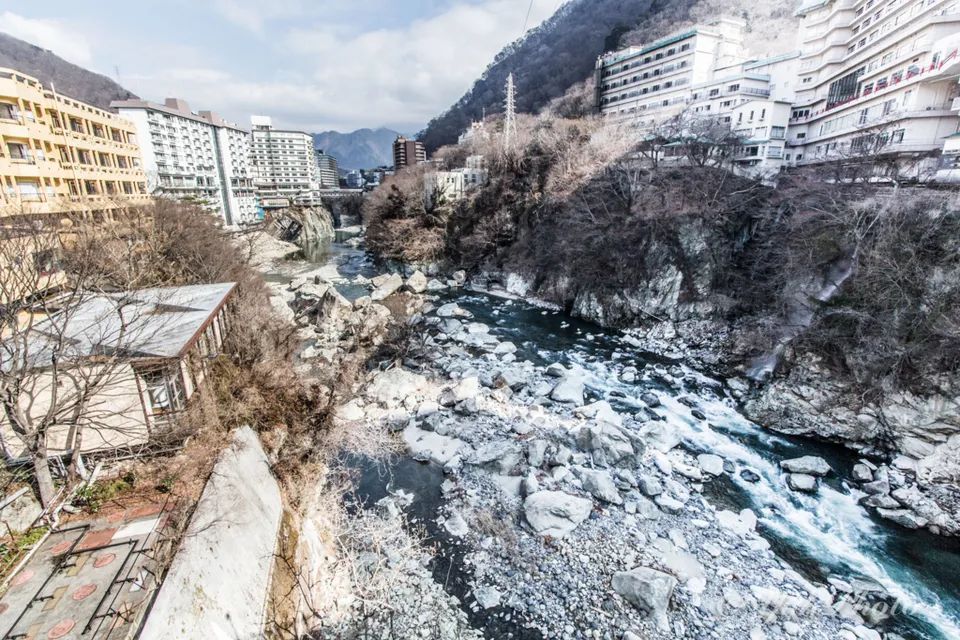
[(355, 180), (328, 171), (873, 78), (655, 81), (407, 153), (196, 156), (285, 164), (59, 155), (876, 76)]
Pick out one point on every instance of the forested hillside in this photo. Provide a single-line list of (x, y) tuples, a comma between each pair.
[(564, 49), (69, 79)]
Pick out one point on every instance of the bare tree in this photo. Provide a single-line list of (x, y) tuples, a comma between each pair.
[(872, 155), (65, 347)]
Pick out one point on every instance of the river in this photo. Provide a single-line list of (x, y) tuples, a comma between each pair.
[(823, 534)]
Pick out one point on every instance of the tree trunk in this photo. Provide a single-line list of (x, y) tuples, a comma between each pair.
[(41, 469)]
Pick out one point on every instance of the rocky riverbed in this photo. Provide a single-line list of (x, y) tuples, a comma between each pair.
[(576, 511)]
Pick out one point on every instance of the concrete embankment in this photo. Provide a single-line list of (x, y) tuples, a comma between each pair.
[(218, 583)]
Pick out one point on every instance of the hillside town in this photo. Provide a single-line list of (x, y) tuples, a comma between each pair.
[(653, 336)]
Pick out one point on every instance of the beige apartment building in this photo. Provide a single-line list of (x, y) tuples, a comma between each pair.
[(59, 155)]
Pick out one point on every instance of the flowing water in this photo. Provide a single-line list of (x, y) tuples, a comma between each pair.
[(824, 534)]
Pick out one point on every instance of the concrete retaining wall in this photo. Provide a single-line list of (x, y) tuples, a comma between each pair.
[(217, 586)]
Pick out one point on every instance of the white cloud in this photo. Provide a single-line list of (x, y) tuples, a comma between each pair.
[(400, 76), (254, 15), (49, 34)]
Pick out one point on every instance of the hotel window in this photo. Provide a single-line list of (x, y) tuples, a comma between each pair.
[(897, 137)]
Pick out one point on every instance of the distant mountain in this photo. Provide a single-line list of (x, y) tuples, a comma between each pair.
[(563, 51), (362, 149), (68, 78)]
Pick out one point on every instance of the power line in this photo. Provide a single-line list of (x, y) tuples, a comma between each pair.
[(527, 19)]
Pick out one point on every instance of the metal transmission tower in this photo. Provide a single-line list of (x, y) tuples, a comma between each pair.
[(510, 121)]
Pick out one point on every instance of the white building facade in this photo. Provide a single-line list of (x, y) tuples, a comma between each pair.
[(285, 165), (878, 76), (872, 78), (651, 83), (196, 156), (455, 184), (704, 73)]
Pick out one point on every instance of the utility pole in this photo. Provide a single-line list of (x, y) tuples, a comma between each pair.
[(510, 122)]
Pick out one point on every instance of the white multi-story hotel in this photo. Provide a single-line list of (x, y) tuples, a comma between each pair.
[(872, 77), (654, 82), (197, 156), (285, 165), (877, 76), (705, 72)]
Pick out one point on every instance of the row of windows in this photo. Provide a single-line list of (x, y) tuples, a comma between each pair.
[(646, 75), (647, 90), (660, 55)]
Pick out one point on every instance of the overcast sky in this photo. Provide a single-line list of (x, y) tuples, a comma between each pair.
[(310, 64)]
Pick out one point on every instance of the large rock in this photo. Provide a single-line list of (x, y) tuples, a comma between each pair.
[(803, 482), (501, 455), (710, 464), (466, 389), (417, 282), (648, 590), (512, 378), (807, 465), (569, 390), (333, 306), (660, 436), (554, 513), (388, 288), (601, 412), (392, 387), (21, 513), (904, 518), (601, 486), (862, 473), (608, 444), (453, 310)]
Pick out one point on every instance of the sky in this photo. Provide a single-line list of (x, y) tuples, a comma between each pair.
[(311, 65)]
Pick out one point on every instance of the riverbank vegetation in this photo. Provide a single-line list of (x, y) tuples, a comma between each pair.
[(629, 236)]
